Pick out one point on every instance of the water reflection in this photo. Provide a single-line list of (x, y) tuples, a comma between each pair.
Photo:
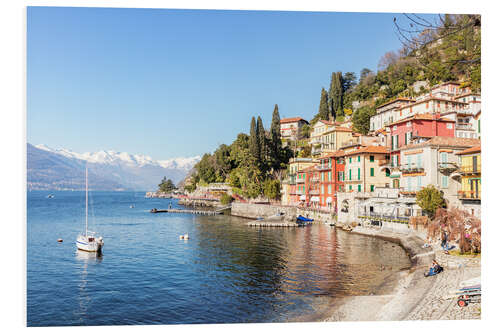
[(84, 296)]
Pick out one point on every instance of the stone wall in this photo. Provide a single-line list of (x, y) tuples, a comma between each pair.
[(254, 211)]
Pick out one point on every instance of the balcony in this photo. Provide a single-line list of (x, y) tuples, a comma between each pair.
[(469, 195), (314, 192), (470, 169), (447, 167), (463, 126), (300, 180), (323, 167), (314, 180), (411, 168)]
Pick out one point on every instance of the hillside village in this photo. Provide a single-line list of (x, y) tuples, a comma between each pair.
[(433, 139)]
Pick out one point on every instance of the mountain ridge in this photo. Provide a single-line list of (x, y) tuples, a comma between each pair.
[(61, 169)]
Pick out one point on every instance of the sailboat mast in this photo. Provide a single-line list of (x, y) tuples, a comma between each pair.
[(86, 200)]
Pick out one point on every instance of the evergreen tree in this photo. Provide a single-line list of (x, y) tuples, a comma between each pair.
[(275, 133), (254, 140), (261, 135), (335, 95), (323, 112)]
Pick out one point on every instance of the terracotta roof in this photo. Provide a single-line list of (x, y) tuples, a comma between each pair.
[(423, 116), (446, 142), (395, 100), (472, 150), (311, 168), (433, 98), (447, 82), (338, 129), (292, 120), (369, 150), (337, 153), (326, 122)]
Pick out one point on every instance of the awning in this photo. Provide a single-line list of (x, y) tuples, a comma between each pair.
[(315, 199), (329, 200), (303, 197)]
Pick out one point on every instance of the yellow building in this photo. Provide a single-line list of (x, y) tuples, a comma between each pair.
[(334, 137), (365, 169), (470, 169)]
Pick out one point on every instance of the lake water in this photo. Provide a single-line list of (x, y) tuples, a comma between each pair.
[(226, 272)]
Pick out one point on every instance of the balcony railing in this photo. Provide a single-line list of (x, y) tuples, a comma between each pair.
[(460, 126), (314, 192), (300, 180), (470, 168), (323, 167), (314, 180), (411, 168), (469, 195), (447, 167), (386, 218)]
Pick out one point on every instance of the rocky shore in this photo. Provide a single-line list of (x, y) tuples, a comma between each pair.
[(415, 297)]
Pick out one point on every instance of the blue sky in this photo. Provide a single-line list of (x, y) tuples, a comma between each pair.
[(170, 83)]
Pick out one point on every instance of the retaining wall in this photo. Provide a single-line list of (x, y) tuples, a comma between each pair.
[(254, 211)]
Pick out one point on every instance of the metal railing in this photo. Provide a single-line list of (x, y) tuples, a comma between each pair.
[(471, 168), (411, 168), (471, 195)]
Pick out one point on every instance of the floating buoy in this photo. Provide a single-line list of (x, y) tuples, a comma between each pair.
[(59, 240)]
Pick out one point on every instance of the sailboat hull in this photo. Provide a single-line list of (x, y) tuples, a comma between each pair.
[(89, 244)]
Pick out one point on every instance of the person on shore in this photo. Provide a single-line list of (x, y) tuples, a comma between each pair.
[(434, 269)]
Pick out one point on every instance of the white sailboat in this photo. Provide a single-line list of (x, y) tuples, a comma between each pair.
[(88, 241)]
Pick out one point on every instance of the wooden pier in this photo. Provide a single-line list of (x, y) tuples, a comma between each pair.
[(187, 211)]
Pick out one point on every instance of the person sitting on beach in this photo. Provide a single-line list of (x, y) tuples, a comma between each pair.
[(434, 269)]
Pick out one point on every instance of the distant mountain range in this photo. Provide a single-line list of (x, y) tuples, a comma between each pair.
[(63, 169)]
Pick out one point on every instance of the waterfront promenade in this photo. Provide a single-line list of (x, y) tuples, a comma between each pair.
[(416, 297)]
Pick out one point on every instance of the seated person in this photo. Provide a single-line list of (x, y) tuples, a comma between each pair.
[(434, 269)]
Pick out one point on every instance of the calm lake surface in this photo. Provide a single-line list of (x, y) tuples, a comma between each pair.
[(226, 272)]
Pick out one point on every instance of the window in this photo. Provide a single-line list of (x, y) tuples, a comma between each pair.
[(359, 173), (322, 176), (350, 159), (444, 181), (350, 178), (409, 181), (359, 188), (329, 176), (444, 157), (372, 158), (350, 187), (419, 160), (359, 158), (387, 173), (449, 126), (395, 127), (372, 172), (330, 189), (408, 124), (329, 162), (419, 182), (372, 188), (322, 189)]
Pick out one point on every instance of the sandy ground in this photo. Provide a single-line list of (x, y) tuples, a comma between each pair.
[(416, 297)]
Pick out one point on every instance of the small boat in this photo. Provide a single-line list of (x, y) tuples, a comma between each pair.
[(88, 241), (50, 196), (304, 219)]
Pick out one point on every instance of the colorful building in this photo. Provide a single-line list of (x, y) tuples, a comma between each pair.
[(292, 184), (470, 176), (291, 128), (331, 179), (387, 113), (365, 169), (434, 162), (404, 131)]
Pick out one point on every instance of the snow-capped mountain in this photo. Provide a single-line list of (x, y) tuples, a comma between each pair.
[(120, 170)]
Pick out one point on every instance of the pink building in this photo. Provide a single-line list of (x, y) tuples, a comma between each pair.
[(419, 126)]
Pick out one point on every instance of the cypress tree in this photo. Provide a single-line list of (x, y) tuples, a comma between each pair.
[(335, 95), (261, 135), (323, 105), (275, 132), (254, 140)]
